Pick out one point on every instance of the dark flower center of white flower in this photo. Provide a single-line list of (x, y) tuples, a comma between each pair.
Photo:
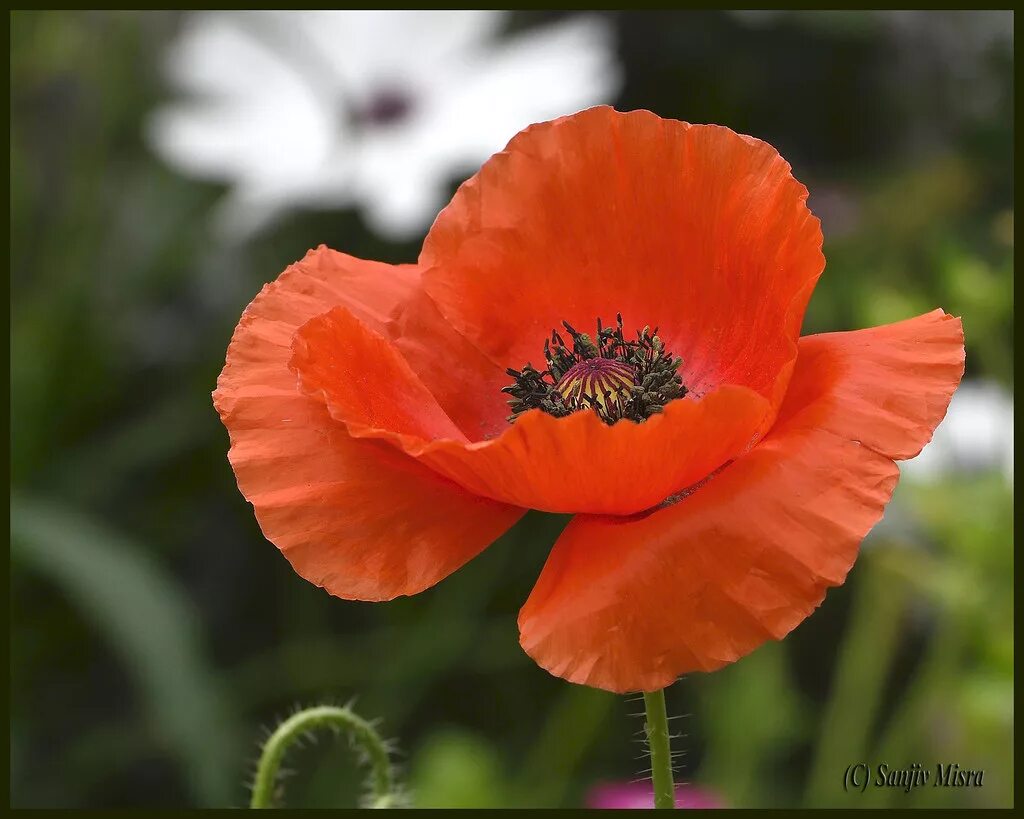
[(385, 106)]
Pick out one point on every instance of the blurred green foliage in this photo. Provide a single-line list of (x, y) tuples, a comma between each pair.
[(153, 628)]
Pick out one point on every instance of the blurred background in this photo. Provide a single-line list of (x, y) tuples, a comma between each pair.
[(165, 166)]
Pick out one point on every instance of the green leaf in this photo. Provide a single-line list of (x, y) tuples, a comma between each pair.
[(127, 596)]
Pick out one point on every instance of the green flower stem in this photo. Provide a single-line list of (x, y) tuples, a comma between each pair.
[(337, 719), (661, 752)]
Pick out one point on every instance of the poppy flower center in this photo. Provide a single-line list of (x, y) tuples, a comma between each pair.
[(611, 376)]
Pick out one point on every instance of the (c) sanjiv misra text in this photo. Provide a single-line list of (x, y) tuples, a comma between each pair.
[(945, 775)]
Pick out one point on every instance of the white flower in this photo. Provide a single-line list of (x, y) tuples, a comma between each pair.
[(377, 109), (975, 436)]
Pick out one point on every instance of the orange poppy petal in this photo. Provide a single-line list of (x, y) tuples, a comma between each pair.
[(630, 604), (914, 364), (436, 370), (692, 228), (465, 382), (579, 464), (326, 278), (366, 379), (570, 464), (356, 517)]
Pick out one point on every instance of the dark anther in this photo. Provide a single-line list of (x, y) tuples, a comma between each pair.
[(610, 376)]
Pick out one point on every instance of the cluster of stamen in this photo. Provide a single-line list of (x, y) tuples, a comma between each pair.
[(613, 377)]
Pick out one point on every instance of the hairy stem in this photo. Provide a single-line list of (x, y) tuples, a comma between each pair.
[(661, 752), (338, 720)]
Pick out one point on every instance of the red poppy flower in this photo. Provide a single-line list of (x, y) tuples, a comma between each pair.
[(722, 470)]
